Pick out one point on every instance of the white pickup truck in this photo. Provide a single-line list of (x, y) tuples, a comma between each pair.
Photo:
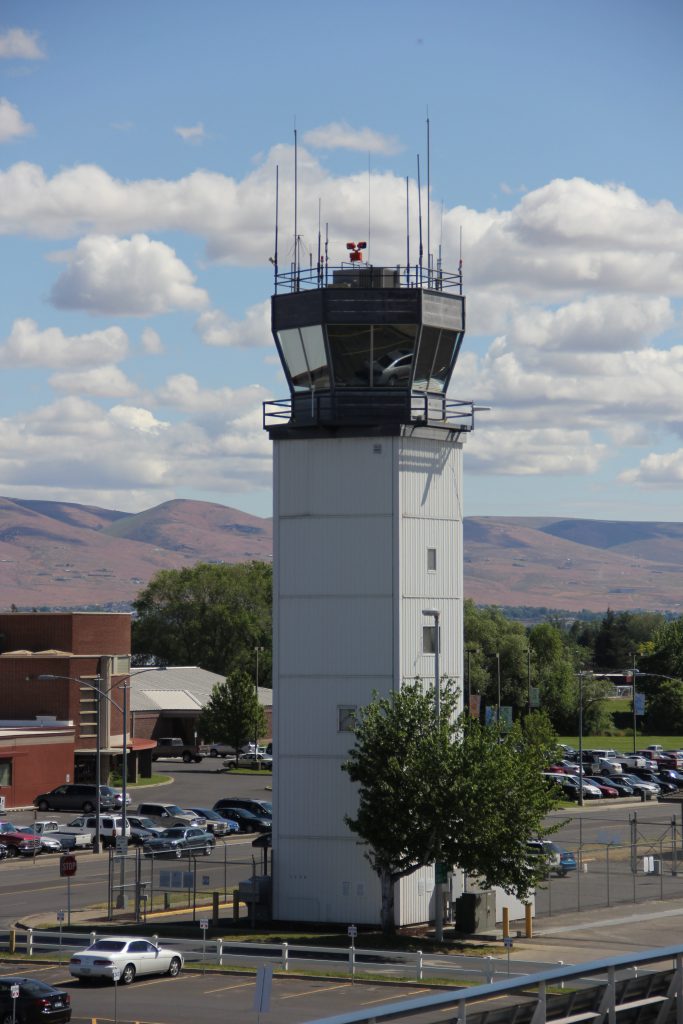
[(111, 826), (70, 838)]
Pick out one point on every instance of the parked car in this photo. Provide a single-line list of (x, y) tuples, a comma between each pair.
[(130, 954), (671, 775), (48, 843), (653, 777), (214, 823), (167, 815), (70, 839), (36, 1003), (247, 821), (174, 746), (558, 861), (622, 788), (76, 797), (606, 788), (18, 843), (640, 786), (251, 759), (142, 828), (178, 841), (262, 807), (111, 826)]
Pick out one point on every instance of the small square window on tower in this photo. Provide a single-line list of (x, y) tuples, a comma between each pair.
[(346, 718), (429, 639), (431, 559)]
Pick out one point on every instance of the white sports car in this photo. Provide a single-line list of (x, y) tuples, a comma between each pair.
[(122, 957)]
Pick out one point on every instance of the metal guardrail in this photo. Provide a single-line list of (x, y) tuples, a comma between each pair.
[(286, 957), (322, 275), (416, 406)]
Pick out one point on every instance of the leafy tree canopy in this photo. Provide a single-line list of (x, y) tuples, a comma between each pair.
[(232, 714), (448, 790), (213, 616)]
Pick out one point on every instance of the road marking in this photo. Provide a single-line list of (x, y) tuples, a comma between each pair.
[(226, 988), (392, 998), (316, 991)]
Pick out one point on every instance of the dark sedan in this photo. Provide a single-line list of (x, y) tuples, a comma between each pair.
[(622, 788), (36, 1001), (179, 841), (247, 821)]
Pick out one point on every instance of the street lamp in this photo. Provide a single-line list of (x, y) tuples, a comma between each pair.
[(257, 651), (433, 613), (93, 684), (580, 739), (528, 670), (498, 705)]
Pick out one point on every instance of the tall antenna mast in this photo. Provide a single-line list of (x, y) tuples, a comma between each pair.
[(369, 205), (419, 214), (296, 209), (319, 242), (407, 232), (277, 217), (429, 244)]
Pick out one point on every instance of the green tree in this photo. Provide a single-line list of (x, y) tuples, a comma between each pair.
[(664, 708), (232, 713), (664, 650), (447, 790), (552, 668), (212, 616)]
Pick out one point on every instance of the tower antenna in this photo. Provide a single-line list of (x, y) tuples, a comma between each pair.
[(407, 233), (296, 208), (277, 218), (419, 215), (320, 269), (429, 186), (369, 206)]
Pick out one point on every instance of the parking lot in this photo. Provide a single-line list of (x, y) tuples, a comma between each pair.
[(221, 996)]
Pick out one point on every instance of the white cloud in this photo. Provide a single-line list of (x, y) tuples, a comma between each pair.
[(657, 470), (102, 382), (151, 342), (216, 328), (27, 345), (340, 135), (12, 124), (135, 276), (195, 133), (18, 43), (183, 392)]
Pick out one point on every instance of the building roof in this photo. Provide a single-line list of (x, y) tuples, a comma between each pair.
[(181, 688)]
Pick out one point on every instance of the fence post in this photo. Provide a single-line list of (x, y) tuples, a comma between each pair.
[(489, 969), (285, 956), (528, 921), (418, 964), (93, 937), (29, 941), (12, 948), (674, 851), (607, 860), (219, 952)]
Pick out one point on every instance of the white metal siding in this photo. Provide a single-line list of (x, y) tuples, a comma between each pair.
[(353, 520)]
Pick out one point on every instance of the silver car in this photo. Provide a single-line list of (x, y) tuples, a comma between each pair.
[(122, 958)]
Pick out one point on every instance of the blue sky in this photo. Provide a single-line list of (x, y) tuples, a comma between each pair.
[(138, 145)]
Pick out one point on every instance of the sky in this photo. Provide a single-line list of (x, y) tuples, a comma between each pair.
[(138, 152)]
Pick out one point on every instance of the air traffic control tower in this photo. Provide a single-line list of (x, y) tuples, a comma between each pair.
[(367, 536)]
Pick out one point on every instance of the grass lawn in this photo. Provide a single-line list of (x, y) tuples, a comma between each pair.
[(624, 744)]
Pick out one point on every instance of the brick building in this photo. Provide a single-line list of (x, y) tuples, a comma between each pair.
[(52, 666)]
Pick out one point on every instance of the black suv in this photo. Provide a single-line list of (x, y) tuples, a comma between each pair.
[(262, 808), (77, 797)]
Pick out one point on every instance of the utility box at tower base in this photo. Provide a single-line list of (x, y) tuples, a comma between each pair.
[(475, 913)]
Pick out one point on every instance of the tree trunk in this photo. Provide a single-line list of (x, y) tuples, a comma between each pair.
[(387, 885)]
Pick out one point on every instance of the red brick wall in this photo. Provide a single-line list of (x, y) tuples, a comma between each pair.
[(41, 760), (73, 632)]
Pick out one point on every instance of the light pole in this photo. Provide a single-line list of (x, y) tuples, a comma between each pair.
[(438, 899), (633, 693), (498, 705), (257, 651), (580, 739), (528, 670)]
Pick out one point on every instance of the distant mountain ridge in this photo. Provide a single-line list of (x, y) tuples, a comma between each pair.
[(64, 555)]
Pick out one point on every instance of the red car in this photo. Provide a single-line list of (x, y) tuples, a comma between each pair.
[(605, 790), (16, 842)]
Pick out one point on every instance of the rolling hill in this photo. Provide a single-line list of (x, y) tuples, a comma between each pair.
[(62, 555)]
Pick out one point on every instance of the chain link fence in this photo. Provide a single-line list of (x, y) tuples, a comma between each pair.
[(627, 860), (140, 884)]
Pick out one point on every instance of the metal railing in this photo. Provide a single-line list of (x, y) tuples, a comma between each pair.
[(322, 275), (391, 404)]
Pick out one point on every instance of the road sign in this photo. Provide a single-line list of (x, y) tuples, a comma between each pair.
[(204, 923), (60, 916), (352, 931), (116, 973), (507, 942), (14, 991), (122, 845), (67, 865)]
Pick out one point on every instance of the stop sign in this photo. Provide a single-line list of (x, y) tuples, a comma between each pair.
[(67, 865)]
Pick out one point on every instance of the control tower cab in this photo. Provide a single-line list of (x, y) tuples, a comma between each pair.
[(372, 347)]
